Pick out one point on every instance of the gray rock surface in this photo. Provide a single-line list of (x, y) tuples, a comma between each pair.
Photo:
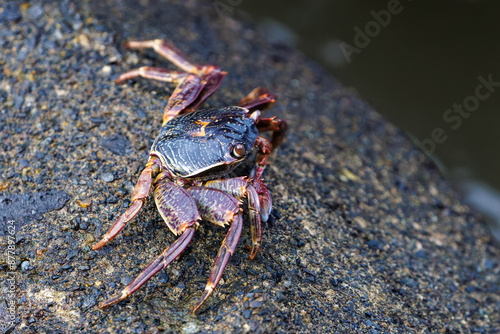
[(366, 235)]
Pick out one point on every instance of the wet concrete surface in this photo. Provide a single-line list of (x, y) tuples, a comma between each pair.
[(365, 236)]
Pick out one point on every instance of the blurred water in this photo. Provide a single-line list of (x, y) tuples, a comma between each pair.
[(430, 67)]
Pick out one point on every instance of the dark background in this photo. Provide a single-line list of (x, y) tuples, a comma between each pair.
[(425, 60)]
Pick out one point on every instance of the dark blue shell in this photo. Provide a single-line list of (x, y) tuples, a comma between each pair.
[(199, 143)]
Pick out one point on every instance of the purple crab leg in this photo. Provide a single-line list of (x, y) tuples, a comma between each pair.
[(194, 87), (141, 191), (261, 158), (259, 203), (265, 199), (192, 92), (156, 73), (225, 252), (255, 223), (211, 80), (175, 205), (182, 97), (178, 210), (214, 205), (159, 263), (259, 99), (276, 126), (168, 51), (235, 187)]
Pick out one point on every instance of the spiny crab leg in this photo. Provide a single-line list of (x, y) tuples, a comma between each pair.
[(259, 203), (167, 50), (255, 221), (265, 149), (259, 99), (194, 86), (141, 191), (225, 252), (276, 126), (182, 97), (265, 199), (161, 262), (179, 211), (156, 73)]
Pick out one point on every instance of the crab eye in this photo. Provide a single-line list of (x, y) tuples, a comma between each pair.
[(238, 151)]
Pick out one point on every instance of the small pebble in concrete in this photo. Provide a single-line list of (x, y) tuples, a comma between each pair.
[(84, 202), (106, 70), (247, 314), (107, 177), (25, 265)]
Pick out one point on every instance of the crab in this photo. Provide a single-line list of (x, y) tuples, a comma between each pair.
[(190, 161)]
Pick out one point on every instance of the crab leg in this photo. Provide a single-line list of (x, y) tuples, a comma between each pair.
[(255, 223), (161, 262), (276, 126), (225, 252), (259, 99), (179, 212), (215, 205), (182, 97), (156, 73), (211, 77), (194, 87), (261, 159), (175, 205), (235, 187), (265, 199), (259, 203), (166, 50), (141, 191)]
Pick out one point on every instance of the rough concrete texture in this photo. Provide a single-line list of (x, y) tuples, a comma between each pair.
[(366, 235)]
